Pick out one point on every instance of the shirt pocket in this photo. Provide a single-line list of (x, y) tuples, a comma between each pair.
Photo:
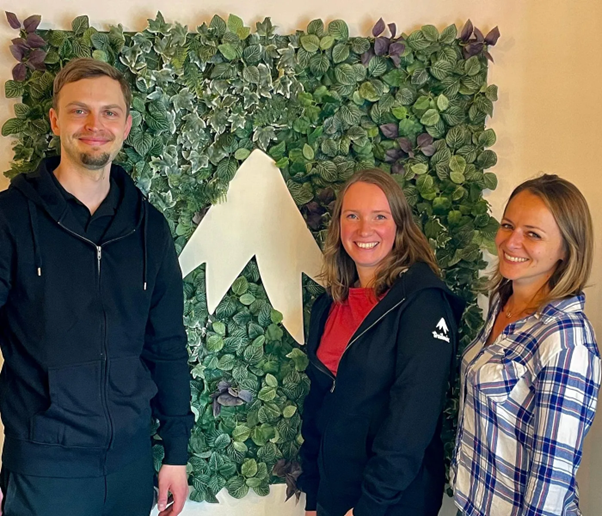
[(497, 378)]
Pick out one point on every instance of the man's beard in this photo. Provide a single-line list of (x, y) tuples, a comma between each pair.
[(94, 162)]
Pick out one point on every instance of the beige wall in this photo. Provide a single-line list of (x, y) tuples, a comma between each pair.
[(548, 69)]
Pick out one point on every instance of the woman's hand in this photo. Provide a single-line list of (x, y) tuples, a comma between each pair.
[(307, 513), (349, 512)]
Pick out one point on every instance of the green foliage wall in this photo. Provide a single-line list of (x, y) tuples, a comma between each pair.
[(322, 104)]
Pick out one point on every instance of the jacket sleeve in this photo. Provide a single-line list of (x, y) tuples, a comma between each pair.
[(417, 398), (6, 260), (166, 356), (566, 392), (309, 480)]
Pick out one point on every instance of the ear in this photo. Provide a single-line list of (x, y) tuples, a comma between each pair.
[(54, 121), (128, 126)]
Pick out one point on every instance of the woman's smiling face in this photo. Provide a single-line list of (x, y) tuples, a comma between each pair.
[(367, 227), (529, 242)]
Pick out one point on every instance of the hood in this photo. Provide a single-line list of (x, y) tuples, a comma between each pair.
[(42, 193)]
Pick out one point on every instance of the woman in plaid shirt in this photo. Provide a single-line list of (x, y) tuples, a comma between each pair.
[(531, 378)]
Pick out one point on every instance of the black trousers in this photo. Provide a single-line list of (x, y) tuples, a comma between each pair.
[(127, 492)]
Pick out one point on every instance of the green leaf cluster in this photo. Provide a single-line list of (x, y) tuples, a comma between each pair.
[(322, 104)]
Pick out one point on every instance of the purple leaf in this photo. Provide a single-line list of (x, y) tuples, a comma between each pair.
[(424, 139), (396, 61), (281, 468), (489, 56), (381, 45), (396, 49), (227, 400), (17, 52), (223, 386), (392, 155), (366, 56), (13, 21), (405, 144), (428, 150), (326, 196), (392, 29), (474, 49), (492, 36), (20, 72), (37, 57), (35, 41), (217, 408), (31, 24), (246, 395), (466, 31), (479, 35), (378, 28), (390, 130), (398, 169)]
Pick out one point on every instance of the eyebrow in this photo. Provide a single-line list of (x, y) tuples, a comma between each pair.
[(527, 226), (82, 104), (373, 211)]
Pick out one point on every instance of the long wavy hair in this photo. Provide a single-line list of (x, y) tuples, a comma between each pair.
[(410, 244), (572, 215)]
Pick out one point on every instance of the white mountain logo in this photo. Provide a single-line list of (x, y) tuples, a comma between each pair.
[(261, 219), (441, 331)]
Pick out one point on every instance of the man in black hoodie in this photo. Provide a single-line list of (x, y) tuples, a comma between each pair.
[(90, 322)]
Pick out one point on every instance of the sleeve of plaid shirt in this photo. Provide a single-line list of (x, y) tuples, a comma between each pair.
[(566, 391)]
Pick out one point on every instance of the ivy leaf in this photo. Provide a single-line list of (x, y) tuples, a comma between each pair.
[(340, 53), (237, 487), (430, 32), (487, 159), (448, 35), (13, 126), (430, 117), (235, 23), (142, 142), (487, 138), (339, 30), (80, 24), (490, 180), (13, 89), (457, 164), (344, 74), (316, 27), (228, 51), (326, 42), (308, 152), (472, 66), (310, 43)]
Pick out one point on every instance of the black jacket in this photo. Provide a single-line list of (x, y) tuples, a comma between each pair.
[(372, 435), (92, 335)]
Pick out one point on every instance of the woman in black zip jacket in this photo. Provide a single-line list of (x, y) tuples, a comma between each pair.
[(381, 344)]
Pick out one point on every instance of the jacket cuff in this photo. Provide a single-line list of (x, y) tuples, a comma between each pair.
[(176, 451), (367, 507)]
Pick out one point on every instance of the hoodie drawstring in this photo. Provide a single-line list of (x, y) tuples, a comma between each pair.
[(33, 219), (144, 241)]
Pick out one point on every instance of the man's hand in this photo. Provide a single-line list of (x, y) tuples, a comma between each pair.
[(349, 512), (307, 513), (1, 498), (174, 480)]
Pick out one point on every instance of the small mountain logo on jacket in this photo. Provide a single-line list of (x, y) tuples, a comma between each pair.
[(441, 331)]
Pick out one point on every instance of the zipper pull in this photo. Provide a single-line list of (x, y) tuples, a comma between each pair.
[(98, 256), (334, 383)]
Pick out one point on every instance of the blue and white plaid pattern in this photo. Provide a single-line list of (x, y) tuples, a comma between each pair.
[(527, 402)]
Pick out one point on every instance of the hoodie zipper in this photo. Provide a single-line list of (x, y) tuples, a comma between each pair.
[(105, 350), (325, 370)]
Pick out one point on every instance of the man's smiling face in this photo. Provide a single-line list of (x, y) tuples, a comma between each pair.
[(92, 121)]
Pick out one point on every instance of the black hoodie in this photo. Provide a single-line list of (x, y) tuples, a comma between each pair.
[(372, 435), (92, 335)]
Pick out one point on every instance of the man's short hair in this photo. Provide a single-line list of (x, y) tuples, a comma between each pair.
[(87, 68)]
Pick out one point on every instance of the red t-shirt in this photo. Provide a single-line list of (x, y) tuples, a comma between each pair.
[(343, 321)]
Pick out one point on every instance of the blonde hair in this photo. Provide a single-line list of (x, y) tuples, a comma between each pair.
[(572, 215), (88, 68), (409, 247)]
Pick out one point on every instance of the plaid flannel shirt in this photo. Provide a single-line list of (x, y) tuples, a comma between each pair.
[(527, 402)]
